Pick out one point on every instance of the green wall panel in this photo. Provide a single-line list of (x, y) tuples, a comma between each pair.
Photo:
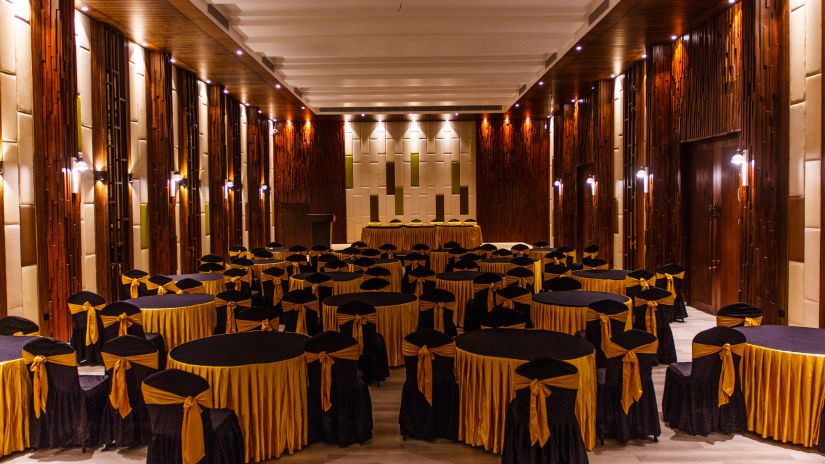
[(348, 169), (206, 214), (414, 159), (399, 200), (455, 171), (144, 226)]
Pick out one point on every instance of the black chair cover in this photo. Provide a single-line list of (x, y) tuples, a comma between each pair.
[(290, 318), (593, 329), (239, 298), (15, 325), (85, 353), (373, 361), (679, 307), (425, 318), (111, 332), (499, 317), (667, 347), (562, 284), (478, 305)]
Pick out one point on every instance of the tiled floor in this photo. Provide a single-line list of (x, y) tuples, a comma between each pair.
[(388, 447)]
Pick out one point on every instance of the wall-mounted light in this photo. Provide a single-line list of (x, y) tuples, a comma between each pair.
[(174, 178), (79, 164), (558, 184), (227, 186), (642, 174), (264, 188), (591, 181), (740, 158), (101, 176)]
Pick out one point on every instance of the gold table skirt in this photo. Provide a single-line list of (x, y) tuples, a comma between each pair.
[(463, 291), (502, 268), (565, 319), (182, 324), (394, 323), (338, 286), (396, 273), (469, 236), (438, 261), (601, 285), (270, 400), (213, 287), (15, 398), (784, 394), (486, 387)]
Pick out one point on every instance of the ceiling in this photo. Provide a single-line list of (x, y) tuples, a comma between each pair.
[(367, 55)]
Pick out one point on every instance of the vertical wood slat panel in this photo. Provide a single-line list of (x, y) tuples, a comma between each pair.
[(233, 160), (189, 168), (54, 75), (160, 161), (218, 217), (255, 140)]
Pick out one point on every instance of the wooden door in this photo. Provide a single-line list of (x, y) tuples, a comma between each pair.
[(711, 193)]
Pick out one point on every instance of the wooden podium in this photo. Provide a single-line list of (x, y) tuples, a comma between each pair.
[(321, 229), (300, 227)]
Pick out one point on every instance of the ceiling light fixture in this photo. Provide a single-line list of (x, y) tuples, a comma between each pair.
[(362, 115), (456, 114), (541, 83), (208, 81), (225, 91), (246, 104), (644, 56), (518, 105), (578, 48), (172, 59), (612, 75), (84, 8), (277, 86), (673, 37), (239, 52)]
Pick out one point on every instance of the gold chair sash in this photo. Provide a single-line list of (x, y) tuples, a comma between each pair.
[(92, 334), (234, 280), (424, 372), (491, 293), (590, 255), (520, 325), (231, 306), (314, 287), (728, 321), (651, 324), (119, 394), (510, 303), (40, 377), (605, 325), (327, 360), (358, 322), (200, 288), (193, 448), (630, 282), (21, 334), (301, 323), (600, 267), (419, 283), (571, 255), (727, 378), (278, 289), (438, 312), (539, 392), (168, 287), (125, 321), (266, 325), (522, 282), (631, 375), (550, 275), (671, 285), (133, 283)]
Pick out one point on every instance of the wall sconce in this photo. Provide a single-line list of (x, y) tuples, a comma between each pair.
[(101, 176), (264, 188), (591, 181), (740, 158), (227, 186), (174, 178), (642, 174), (79, 164)]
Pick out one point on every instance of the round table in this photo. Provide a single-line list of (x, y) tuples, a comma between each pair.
[(397, 317), (468, 235), (178, 318), (485, 363), (566, 311), (261, 376), (783, 381), (212, 283), (260, 265), (460, 283), (502, 265), (538, 253), (342, 282), (15, 394), (607, 280), (392, 265), (439, 261)]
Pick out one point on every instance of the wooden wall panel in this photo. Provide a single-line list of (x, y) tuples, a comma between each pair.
[(513, 179), (160, 161), (54, 74), (309, 167), (218, 205), (634, 140), (189, 168), (233, 162), (256, 152)]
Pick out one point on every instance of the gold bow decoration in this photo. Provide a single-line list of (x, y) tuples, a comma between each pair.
[(133, 283), (266, 325), (124, 320), (40, 375), (600, 267), (631, 375), (231, 306), (119, 394), (651, 322), (491, 292), (571, 254), (424, 372), (168, 287), (193, 448), (438, 312), (590, 255), (727, 377), (21, 334), (419, 283), (313, 287), (730, 321), (520, 325), (301, 320), (358, 323), (605, 324), (671, 284), (539, 392), (327, 360), (510, 303), (521, 282), (630, 282), (200, 288), (92, 334), (278, 289), (234, 280)]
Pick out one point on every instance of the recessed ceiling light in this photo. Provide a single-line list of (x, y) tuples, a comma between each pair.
[(573, 101), (303, 107), (245, 103), (518, 104), (172, 59), (226, 91), (673, 37), (456, 114), (208, 81), (612, 75), (84, 8), (578, 48), (239, 52), (144, 44), (731, 1), (277, 86), (644, 56), (260, 112), (541, 83), (362, 115)]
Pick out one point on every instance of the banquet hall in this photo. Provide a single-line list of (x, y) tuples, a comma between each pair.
[(527, 232)]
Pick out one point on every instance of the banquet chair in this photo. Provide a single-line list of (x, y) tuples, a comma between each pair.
[(569, 253), (429, 407), (595, 264), (627, 403), (388, 250), (705, 396), (413, 260), (274, 283), (319, 284), (188, 285), (322, 260), (86, 339), (523, 261), (160, 285), (520, 277), (435, 311), (562, 284), (671, 278), (590, 252), (275, 245), (227, 305), (360, 321), (298, 264), (300, 312), (541, 244), (262, 253), (450, 245), (501, 318), (359, 244), (638, 280), (123, 318), (416, 221), (258, 318), (519, 249), (470, 221), (465, 265), (128, 361), (339, 408), (501, 253), (16, 325), (214, 435), (418, 280), (65, 407), (545, 395), (369, 253), (335, 266), (455, 255), (484, 298), (211, 258), (375, 284), (516, 299), (551, 271), (422, 248), (298, 249), (652, 313), (470, 256), (245, 264), (211, 268), (239, 280), (739, 315), (605, 318), (133, 283), (377, 271), (486, 250), (236, 250), (362, 264)]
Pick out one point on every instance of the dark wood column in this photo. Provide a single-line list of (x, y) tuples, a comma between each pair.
[(57, 209), (233, 163), (189, 168), (218, 221), (160, 163), (256, 126)]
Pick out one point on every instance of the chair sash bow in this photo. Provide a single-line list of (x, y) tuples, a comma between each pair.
[(491, 293), (731, 321), (231, 307), (119, 394), (92, 334), (631, 374), (419, 283), (438, 312), (327, 360), (301, 320), (40, 376), (193, 448), (727, 377), (124, 321), (424, 372), (358, 323), (266, 325), (638, 282), (510, 303), (133, 283), (539, 392), (606, 326)]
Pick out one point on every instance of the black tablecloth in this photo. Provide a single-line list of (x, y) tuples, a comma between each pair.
[(793, 339), (12, 347), (371, 298), (267, 261), (607, 274), (171, 300), (576, 298), (502, 260), (459, 275), (241, 348), (542, 249), (336, 276), (523, 344), (198, 277)]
